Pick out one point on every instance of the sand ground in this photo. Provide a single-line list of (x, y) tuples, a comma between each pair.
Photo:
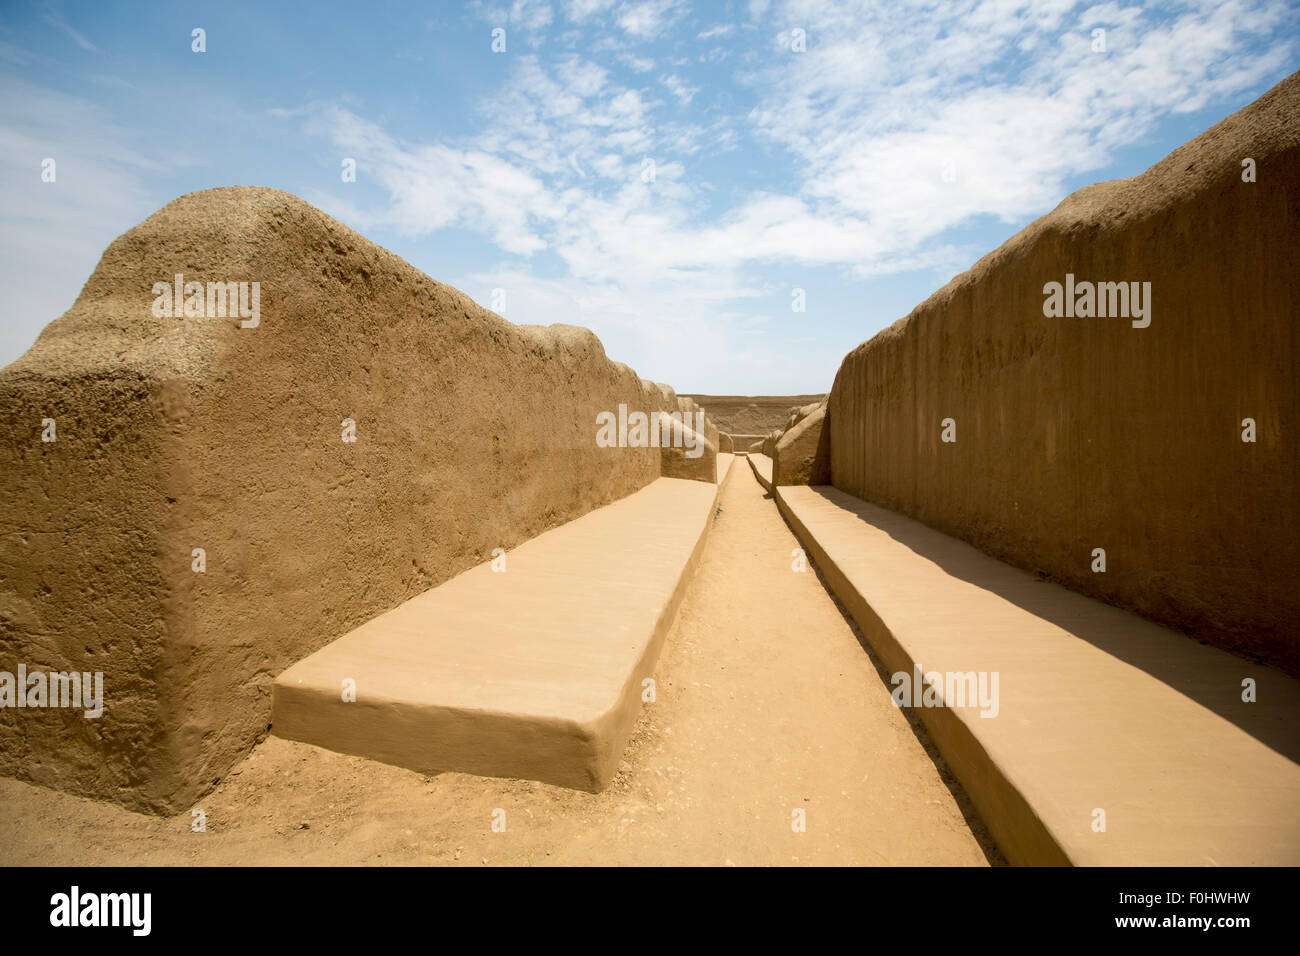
[(767, 702)]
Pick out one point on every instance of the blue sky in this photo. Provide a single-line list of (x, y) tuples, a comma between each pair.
[(664, 173)]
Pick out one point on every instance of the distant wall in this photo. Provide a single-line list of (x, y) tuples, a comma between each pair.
[(742, 443), (175, 434), (1082, 433), (751, 414)]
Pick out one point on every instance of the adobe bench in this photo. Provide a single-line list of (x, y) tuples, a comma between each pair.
[(1098, 710), (534, 671)]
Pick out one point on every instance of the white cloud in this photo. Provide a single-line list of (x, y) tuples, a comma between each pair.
[(637, 64), (895, 126), (888, 98), (530, 14), (897, 133), (526, 20), (900, 123), (649, 19), (435, 186), (581, 10), (678, 88)]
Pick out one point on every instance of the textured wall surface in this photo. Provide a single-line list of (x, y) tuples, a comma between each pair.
[(182, 433), (752, 414), (1080, 433), (803, 452)]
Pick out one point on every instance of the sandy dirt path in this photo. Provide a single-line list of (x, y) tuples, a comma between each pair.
[(766, 704)]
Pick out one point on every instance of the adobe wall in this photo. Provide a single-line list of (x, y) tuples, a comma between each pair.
[(175, 434), (1079, 433)]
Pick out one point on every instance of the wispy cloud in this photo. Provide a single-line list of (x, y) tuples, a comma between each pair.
[(916, 124), (895, 125), (664, 174), (649, 19), (721, 30), (894, 128), (54, 20)]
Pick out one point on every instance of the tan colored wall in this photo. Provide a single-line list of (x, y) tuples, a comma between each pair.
[(175, 434), (742, 443), (752, 414), (1079, 433), (690, 454), (803, 452)]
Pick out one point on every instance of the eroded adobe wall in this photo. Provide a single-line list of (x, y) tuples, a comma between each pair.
[(751, 414), (176, 434), (1081, 433), (803, 454)]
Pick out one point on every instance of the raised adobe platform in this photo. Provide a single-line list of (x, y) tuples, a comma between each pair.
[(534, 671), (762, 466), (1097, 709)]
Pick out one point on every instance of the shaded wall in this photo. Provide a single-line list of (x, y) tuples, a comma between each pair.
[(1081, 433)]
